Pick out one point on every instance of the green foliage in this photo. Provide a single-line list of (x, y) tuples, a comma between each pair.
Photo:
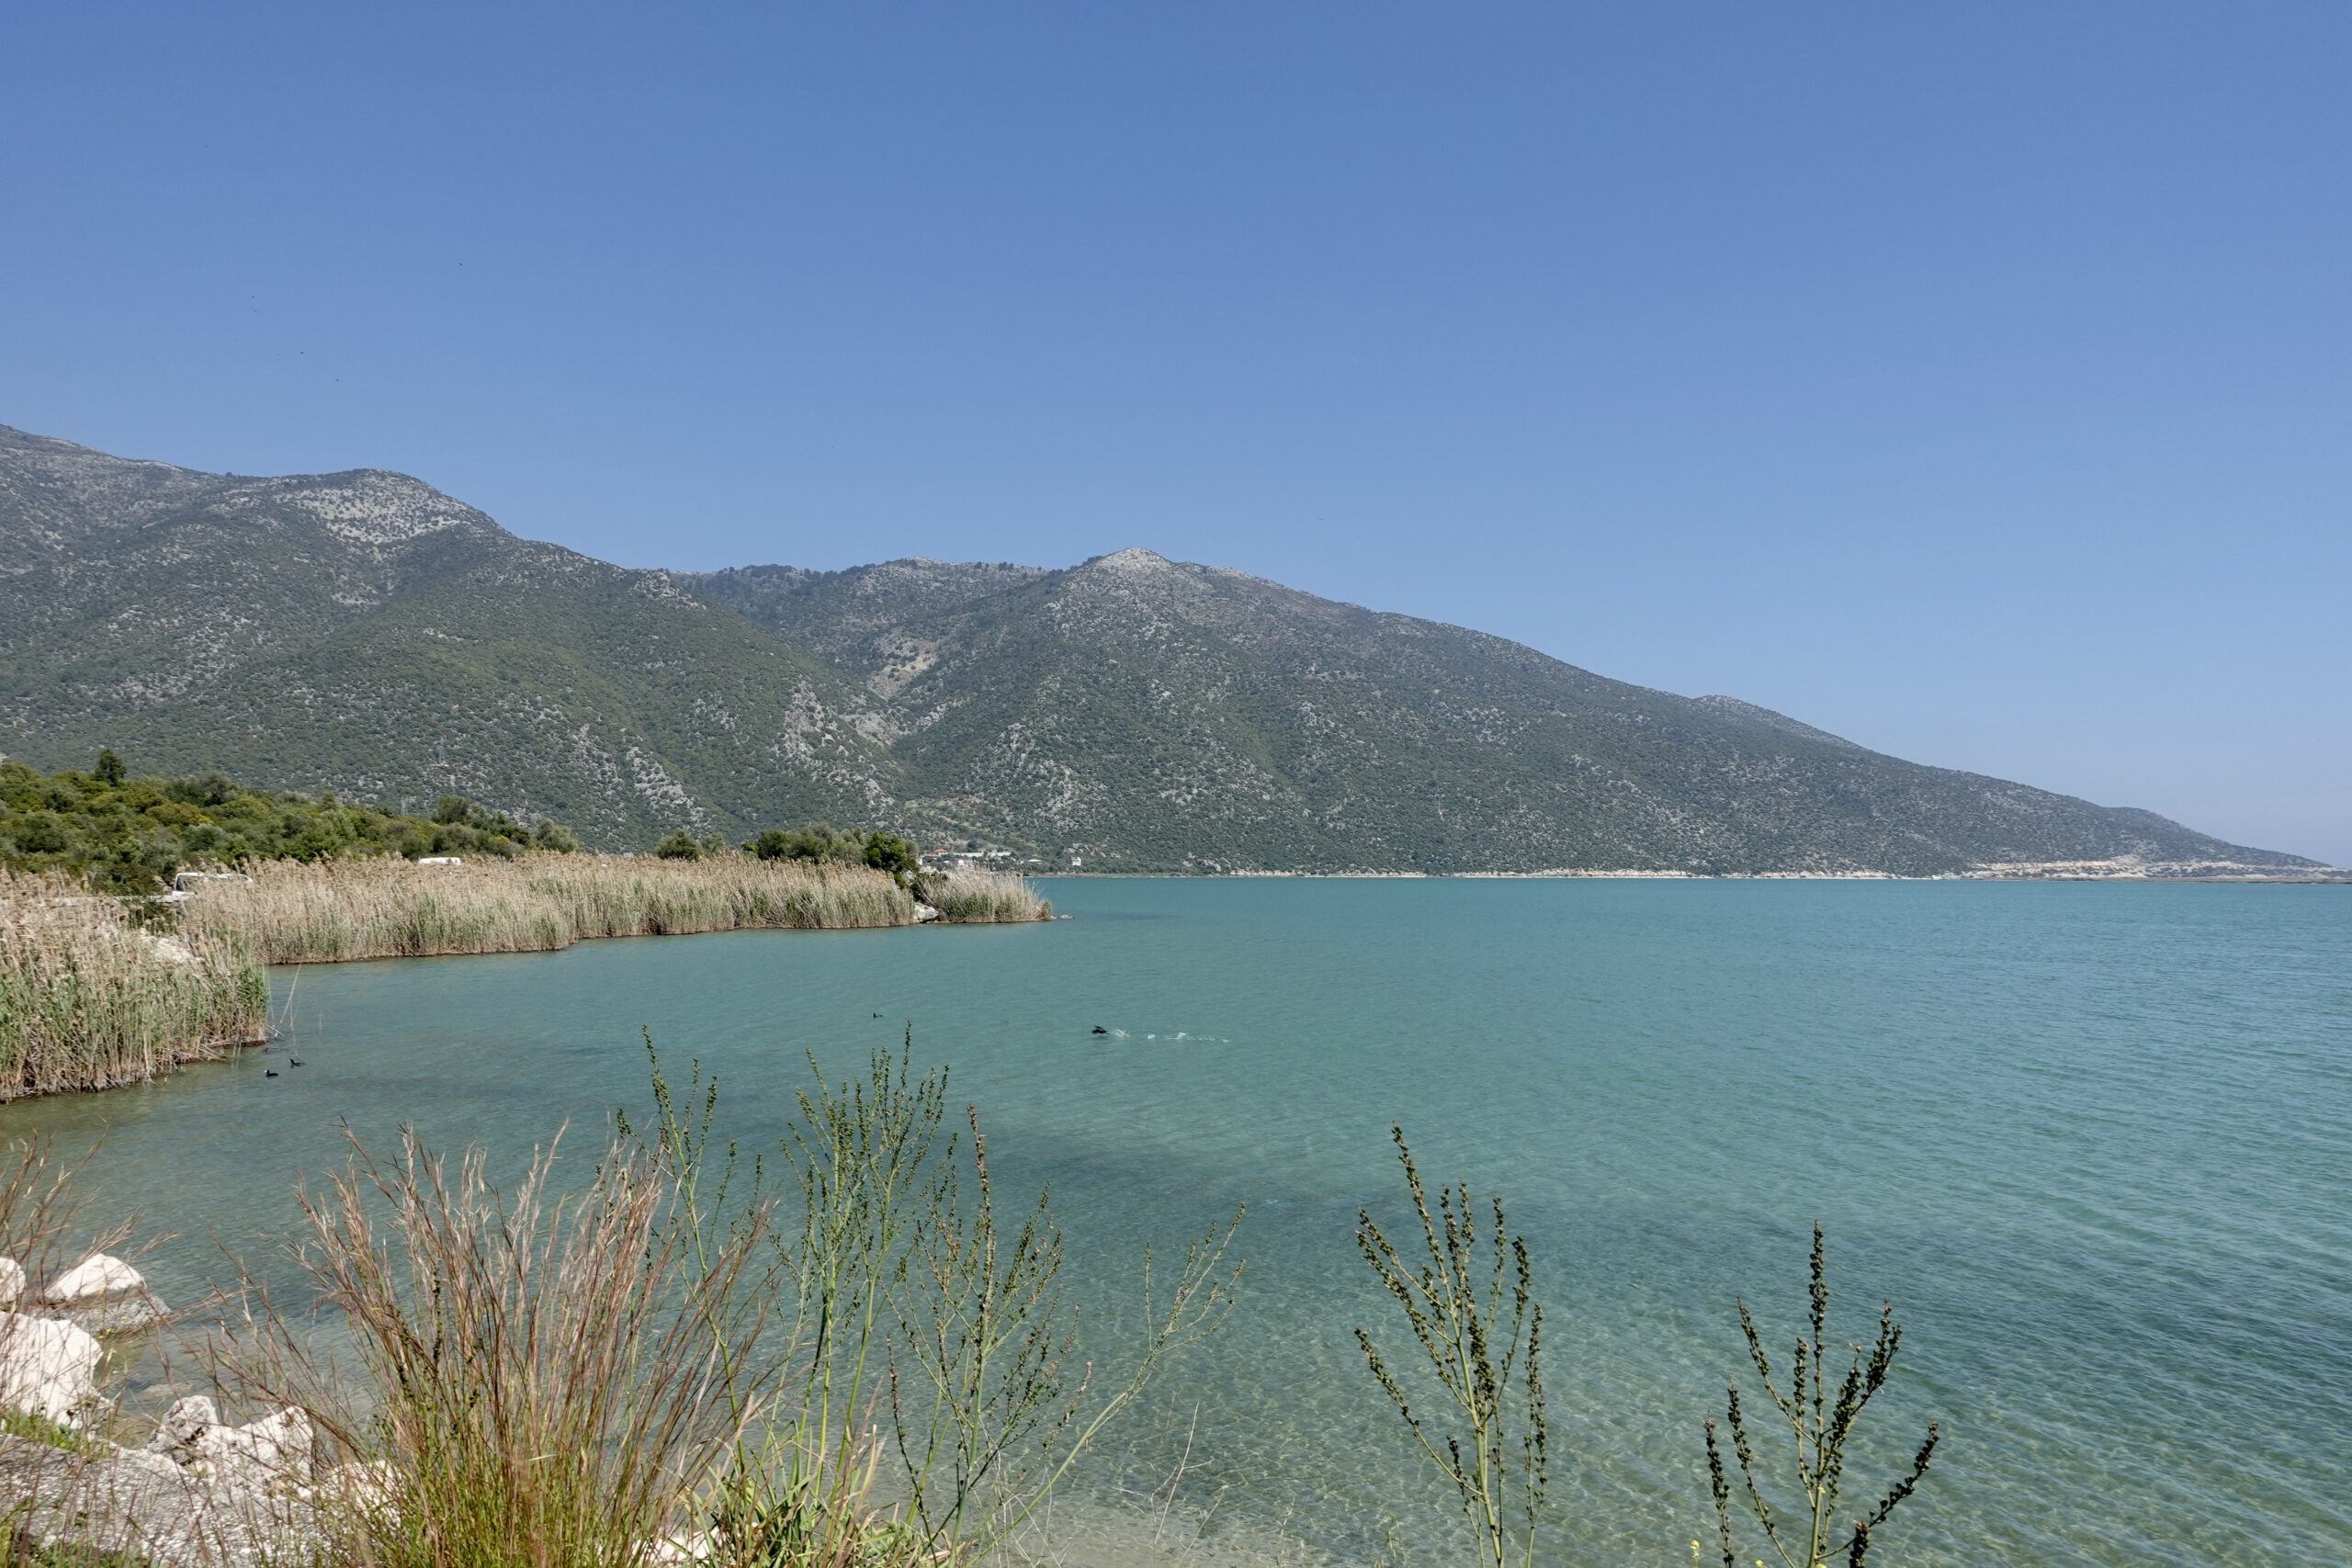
[(1807, 1537), (1485, 1359), (887, 851), (34, 1426), (531, 1373), (907, 1296), (129, 835), (681, 844), (817, 842)]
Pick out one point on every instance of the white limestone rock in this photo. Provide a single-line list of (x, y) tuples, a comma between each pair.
[(118, 1314), (105, 1295), (134, 1507), (671, 1551), (271, 1453), (362, 1484), (187, 1420), (99, 1274), (47, 1367)]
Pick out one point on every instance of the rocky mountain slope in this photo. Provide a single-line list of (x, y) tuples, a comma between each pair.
[(363, 631)]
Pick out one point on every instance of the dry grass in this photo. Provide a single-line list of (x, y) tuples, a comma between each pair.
[(542, 1380), (986, 897), (87, 1000), (388, 908)]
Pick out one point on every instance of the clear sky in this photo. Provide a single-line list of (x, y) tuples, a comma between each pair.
[(1972, 380)]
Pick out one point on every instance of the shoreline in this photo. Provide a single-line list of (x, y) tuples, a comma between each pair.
[(91, 998), (2318, 877)]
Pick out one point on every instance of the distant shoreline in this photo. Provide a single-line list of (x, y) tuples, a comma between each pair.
[(2329, 876)]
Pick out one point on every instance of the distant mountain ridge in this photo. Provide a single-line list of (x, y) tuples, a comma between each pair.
[(364, 632)]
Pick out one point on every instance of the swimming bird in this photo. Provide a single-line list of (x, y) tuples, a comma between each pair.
[(271, 1074), (1100, 1030), (292, 1063)]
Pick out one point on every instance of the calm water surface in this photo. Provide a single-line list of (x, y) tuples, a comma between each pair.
[(2094, 1142)]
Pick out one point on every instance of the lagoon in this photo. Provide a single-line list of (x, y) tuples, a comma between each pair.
[(2094, 1141)]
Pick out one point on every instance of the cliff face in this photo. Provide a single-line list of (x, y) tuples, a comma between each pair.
[(364, 632)]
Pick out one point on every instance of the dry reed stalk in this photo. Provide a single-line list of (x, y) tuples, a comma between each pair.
[(610, 896), (87, 1000), (333, 910), (39, 1208), (988, 896)]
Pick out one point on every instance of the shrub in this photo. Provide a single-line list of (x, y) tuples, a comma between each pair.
[(888, 853), (679, 845), (1484, 1360), (127, 835), (817, 842), (1807, 1538)]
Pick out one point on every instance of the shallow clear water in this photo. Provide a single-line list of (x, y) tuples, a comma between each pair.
[(2094, 1142)]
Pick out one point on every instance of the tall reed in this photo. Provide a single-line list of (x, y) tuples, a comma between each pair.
[(333, 911), (982, 897), (88, 1001)]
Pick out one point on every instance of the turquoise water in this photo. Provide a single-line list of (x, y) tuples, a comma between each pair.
[(2095, 1142)]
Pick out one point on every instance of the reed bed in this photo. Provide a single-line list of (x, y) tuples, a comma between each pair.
[(607, 897), (333, 910), (983, 897), (88, 1001)]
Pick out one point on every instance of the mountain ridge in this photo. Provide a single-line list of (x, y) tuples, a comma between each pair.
[(364, 631)]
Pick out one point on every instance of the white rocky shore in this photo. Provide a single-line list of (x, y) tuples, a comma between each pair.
[(198, 1491)]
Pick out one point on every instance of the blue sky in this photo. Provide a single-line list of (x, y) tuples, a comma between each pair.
[(1974, 381)]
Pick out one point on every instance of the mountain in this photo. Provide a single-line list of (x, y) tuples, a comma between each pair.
[(362, 631)]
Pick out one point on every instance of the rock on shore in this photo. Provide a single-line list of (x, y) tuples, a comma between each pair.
[(48, 1366)]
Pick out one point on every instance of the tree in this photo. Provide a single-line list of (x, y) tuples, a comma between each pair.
[(680, 845), (817, 842), (887, 851), (109, 770)]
